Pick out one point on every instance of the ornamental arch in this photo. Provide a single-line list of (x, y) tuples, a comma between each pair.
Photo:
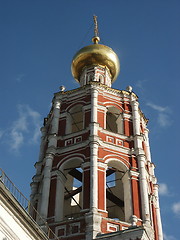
[(118, 190), (114, 119), (69, 187)]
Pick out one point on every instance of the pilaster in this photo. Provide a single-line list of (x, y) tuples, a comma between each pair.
[(93, 225), (46, 186), (59, 196), (159, 224), (143, 189)]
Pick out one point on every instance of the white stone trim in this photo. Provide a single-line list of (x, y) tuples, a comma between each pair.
[(87, 107), (119, 142), (59, 202), (85, 165), (111, 225), (117, 135), (147, 145), (68, 142), (109, 139), (78, 139), (127, 116), (93, 179), (133, 173), (102, 165), (75, 224), (159, 224), (136, 117), (46, 186), (143, 188), (59, 228), (128, 208), (115, 148)]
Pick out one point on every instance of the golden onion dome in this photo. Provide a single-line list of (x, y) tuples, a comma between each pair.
[(93, 55)]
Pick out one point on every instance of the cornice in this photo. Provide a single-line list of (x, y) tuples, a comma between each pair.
[(99, 85)]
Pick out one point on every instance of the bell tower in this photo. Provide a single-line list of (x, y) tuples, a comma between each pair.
[(94, 177)]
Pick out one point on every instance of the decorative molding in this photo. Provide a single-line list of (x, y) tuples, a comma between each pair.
[(74, 228), (68, 142), (112, 227), (119, 142), (109, 139), (60, 231), (78, 139)]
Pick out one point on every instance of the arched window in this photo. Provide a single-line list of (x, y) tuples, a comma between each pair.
[(75, 119), (114, 120)]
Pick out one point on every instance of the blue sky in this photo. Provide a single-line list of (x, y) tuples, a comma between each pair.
[(37, 42)]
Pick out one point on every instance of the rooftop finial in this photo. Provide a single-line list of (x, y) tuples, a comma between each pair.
[(96, 38)]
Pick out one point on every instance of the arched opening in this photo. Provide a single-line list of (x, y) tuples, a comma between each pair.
[(101, 79), (90, 78), (118, 190), (114, 120), (73, 193), (115, 193), (69, 189), (75, 119)]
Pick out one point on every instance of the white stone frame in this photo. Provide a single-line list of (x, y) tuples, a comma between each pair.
[(113, 226), (68, 142), (119, 120), (76, 224), (70, 161), (69, 118), (128, 208), (59, 228), (119, 141), (110, 139), (76, 138)]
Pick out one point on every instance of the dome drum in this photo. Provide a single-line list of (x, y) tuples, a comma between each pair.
[(95, 73)]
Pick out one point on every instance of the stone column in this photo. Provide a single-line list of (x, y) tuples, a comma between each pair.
[(54, 124), (56, 115), (136, 117), (93, 151), (143, 188), (93, 218), (160, 233), (141, 160), (93, 177), (46, 186), (127, 196), (146, 131), (59, 205), (94, 96), (43, 142)]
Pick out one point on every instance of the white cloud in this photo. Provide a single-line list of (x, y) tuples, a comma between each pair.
[(25, 129), (163, 117), (168, 237), (140, 84), (176, 208), (16, 139), (163, 189), (36, 121), (157, 107), (163, 120)]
